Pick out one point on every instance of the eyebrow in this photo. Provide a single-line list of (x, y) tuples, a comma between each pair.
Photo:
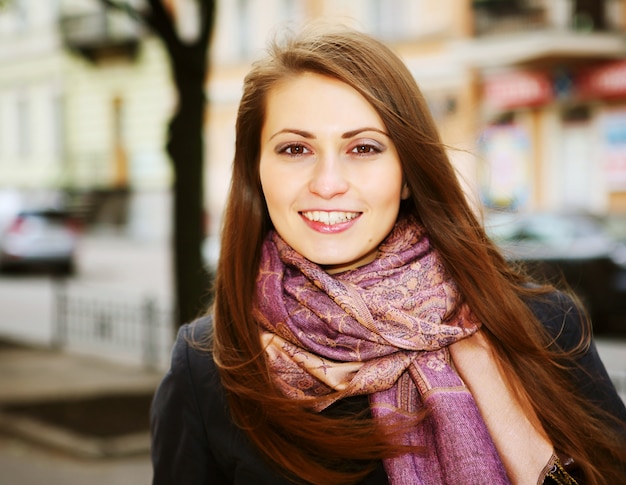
[(347, 134)]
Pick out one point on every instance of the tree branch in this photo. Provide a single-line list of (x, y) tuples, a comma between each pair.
[(207, 16), (125, 7), (161, 21), (157, 18)]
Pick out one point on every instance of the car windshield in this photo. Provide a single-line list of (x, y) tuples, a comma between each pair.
[(553, 230), (552, 235)]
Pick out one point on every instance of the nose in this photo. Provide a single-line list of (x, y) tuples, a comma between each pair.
[(328, 177)]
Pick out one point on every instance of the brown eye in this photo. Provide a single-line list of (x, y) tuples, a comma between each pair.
[(366, 149), (294, 149)]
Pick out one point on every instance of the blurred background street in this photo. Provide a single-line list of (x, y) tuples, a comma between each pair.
[(108, 267), (112, 189), (24, 464), (116, 271)]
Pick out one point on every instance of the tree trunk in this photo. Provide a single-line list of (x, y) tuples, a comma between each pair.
[(189, 66), (186, 149)]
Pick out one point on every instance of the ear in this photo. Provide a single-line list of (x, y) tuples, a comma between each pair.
[(406, 193)]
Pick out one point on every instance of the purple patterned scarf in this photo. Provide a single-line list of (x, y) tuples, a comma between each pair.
[(382, 330)]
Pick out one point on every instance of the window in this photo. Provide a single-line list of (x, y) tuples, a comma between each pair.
[(245, 28), (589, 15), (389, 19), (21, 15), (290, 11), (23, 126), (58, 126)]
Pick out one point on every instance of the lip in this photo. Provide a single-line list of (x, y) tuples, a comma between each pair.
[(325, 228)]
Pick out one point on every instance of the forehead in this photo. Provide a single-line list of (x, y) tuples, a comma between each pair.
[(314, 99)]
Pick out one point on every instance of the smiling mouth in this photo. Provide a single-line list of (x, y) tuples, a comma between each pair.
[(330, 217)]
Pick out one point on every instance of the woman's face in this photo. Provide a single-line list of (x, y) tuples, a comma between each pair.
[(330, 174)]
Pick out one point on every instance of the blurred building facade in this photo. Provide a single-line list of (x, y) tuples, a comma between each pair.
[(529, 94), (552, 78), (85, 97)]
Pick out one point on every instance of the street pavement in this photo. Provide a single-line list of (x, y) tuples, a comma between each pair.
[(30, 375), (22, 463)]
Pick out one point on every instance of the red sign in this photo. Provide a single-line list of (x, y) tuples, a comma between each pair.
[(518, 89), (606, 81)]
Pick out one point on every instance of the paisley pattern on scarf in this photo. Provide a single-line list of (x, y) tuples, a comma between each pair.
[(381, 329)]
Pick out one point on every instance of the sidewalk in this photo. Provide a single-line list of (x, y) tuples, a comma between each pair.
[(22, 463), (34, 452), (30, 375)]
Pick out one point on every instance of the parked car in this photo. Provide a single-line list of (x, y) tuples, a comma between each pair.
[(586, 252), (40, 240)]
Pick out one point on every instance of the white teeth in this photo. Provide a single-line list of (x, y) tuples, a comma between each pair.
[(330, 218)]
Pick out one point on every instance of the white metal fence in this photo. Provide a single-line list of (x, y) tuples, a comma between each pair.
[(121, 327)]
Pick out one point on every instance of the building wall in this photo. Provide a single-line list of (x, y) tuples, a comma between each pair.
[(69, 123), (533, 85), (142, 91), (30, 92)]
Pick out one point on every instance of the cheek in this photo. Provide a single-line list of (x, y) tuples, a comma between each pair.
[(391, 192), (266, 178), (272, 191)]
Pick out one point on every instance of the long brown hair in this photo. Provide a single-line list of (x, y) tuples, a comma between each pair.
[(312, 447)]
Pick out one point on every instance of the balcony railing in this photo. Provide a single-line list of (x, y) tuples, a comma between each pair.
[(490, 22), (102, 34), (492, 17)]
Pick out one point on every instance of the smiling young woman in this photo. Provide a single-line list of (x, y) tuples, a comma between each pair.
[(365, 329), (330, 173)]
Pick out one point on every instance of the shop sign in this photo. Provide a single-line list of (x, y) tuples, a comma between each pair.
[(606, 81), (518, 89)]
